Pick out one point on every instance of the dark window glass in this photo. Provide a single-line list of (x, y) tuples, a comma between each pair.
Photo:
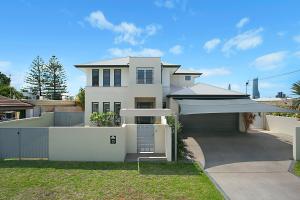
[(164, 104), (95, 77), (144, 76), (117, 77), (106, 77), (95, 107), (106, 107), (187, 78), (117, 108), (140, 76), (149, 76)]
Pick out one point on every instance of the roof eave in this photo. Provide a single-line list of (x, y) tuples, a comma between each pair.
[(209, 97), (91, 66)]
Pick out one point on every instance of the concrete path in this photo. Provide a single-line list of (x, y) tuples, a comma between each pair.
[(247, 166)]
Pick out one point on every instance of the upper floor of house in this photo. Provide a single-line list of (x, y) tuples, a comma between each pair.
[(136, 71)]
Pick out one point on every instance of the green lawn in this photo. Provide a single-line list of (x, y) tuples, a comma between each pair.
[(88, 180), (297, 168)]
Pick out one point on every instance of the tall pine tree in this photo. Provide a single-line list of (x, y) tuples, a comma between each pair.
[(55, 79), (36, 76)]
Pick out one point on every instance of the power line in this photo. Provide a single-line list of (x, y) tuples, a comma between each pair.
[(278, 75)]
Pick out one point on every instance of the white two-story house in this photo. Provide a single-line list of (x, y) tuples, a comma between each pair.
[(132, 82)]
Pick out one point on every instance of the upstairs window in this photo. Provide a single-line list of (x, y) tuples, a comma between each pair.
[(144, 75), (188, 78), (106, 77), (95, 77), (117, 77)]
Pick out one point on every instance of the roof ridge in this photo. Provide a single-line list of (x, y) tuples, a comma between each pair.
[(216, 87)]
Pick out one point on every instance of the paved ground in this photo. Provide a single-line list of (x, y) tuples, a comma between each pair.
[(247, 166)]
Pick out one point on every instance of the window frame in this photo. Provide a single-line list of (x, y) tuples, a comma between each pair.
[(119, 83), (95, 72), (117, 117), (93, 107), (188, 78), (145, 79), (106, 83), (103, 108)]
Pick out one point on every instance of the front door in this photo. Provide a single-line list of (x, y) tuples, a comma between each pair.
[(145, 138)]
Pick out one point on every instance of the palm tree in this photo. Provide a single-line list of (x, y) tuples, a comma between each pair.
[(296, 91), (296, 88)]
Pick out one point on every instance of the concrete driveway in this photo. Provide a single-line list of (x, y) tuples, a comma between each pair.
[(247, 166)]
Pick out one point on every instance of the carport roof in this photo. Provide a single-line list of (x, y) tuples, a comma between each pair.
[(188, 107), (204, 90)]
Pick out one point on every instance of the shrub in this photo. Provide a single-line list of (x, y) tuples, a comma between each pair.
[(102, 119), (180, 144)]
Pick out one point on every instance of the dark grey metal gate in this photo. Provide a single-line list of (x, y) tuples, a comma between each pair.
[(24, 142), (145, 138)]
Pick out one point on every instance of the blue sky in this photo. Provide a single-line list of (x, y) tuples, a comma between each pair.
[(229, 41)]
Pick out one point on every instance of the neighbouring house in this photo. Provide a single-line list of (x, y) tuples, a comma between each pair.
[(14, 109)]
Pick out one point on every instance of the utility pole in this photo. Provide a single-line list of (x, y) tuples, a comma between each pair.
[(247, 83)]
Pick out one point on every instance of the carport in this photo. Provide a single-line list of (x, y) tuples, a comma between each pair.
[(222, 115)]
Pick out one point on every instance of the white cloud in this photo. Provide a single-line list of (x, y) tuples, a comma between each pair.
[(242, 22), (117, 52), (246, 40), (219, 71), (177, 49), (270, 61), (297, 54), (164, 3), (297, 38), (126, 32), (281, 33), (211, 44), (4, 65)]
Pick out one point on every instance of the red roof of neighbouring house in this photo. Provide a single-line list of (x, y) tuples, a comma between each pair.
[(7, 104)]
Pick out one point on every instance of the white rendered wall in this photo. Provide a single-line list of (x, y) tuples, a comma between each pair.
[(87, 144), (131, 138), (296, 144), (279, 124)]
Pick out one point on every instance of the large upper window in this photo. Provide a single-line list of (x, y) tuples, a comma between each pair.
[(106, 77), (95, 77), (117, 77), (95, 107), (144, 75)]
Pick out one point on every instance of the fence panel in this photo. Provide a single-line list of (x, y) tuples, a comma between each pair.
[(34, 142), (9, 143), (24, 142), (68, 118)]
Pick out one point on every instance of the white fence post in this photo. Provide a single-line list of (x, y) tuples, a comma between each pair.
[(296, 144)]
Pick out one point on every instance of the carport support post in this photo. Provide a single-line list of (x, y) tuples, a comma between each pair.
[(175, 136)]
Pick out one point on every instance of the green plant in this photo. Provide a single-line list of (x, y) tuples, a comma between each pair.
[(102, 119), (180, 145), (80, 98)]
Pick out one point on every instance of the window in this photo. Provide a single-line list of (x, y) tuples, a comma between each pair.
[(106, 107), (117, 108), (95, 77), (95, 107), (187, 78), (144, 75), (117, 77), (164, 104), (106, 77)]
